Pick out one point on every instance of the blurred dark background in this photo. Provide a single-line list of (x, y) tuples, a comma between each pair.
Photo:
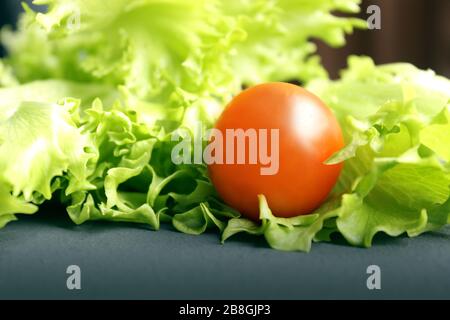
[(416, 31)]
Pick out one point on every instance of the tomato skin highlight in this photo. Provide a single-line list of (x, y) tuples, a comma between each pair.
[(308, 135)]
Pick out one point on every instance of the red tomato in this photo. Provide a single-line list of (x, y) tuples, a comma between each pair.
[(308, 135)]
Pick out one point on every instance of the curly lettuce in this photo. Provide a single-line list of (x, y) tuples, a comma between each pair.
[(91, 91)]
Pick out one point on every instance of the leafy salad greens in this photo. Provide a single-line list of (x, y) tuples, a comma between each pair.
[(91, 90)]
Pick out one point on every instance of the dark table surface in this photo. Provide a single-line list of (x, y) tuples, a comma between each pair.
[(131, 262)]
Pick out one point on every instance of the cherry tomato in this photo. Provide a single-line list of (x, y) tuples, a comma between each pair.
[(308, 135)]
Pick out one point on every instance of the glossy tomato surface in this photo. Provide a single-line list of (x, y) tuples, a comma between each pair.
[(308, 135)]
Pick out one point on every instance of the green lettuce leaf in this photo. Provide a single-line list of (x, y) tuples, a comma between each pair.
[(126, 181), (287, 234), (396, 176), (185, 58), (12, 205), (38, 142), (277, 46)]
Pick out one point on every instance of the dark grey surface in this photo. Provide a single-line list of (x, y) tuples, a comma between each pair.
[(130, 262)]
